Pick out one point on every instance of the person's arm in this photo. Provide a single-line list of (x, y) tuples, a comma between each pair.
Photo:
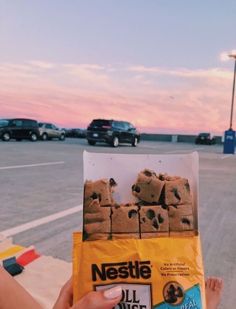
[(13, 295)]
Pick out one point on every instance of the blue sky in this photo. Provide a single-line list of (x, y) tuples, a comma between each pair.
[(111, 37)]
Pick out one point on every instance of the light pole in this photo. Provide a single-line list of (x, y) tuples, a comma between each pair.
[(229, 140), (232, 103)]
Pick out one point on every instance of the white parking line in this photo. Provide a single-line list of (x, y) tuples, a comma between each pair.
[(184, 150), (30, 165), (30, 225), (226, 156)]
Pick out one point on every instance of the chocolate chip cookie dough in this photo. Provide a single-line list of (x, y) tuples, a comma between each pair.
[(163, 208)]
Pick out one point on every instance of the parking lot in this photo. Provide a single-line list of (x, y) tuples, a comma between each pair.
[(41, 198)]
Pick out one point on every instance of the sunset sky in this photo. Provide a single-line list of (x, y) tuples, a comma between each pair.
[(157, 63)]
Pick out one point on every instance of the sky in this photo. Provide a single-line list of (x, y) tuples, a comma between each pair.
[(160, 64)]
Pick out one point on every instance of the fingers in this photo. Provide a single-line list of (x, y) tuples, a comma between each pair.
[(100, 300), (65, 298), (214, 283)]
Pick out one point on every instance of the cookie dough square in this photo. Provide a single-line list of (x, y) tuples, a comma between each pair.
[(180, 210), (125, 236), (154, 235), (100, 189), (148, 191), (104, 214), (153, 219), (125, 219), (97, 227), (181, 223), (177, 192)]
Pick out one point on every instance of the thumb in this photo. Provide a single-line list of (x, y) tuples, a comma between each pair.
[(100, 300)]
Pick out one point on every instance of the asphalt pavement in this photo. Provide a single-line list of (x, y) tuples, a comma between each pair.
[(41, 186)]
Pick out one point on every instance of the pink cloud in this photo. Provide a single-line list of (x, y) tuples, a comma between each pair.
[(72, 95)]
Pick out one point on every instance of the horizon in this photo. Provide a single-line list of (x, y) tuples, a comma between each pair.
[(152, 64)]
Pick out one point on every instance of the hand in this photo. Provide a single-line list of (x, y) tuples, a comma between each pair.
[(93, 300)]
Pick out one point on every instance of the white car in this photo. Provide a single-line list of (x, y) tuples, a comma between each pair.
[(49, 131)]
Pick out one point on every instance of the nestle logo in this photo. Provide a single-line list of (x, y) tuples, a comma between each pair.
[(123, 270)]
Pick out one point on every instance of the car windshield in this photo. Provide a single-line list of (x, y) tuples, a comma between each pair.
[(100, 123), (3, 123)]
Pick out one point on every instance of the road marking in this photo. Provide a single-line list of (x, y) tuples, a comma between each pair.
[(185, 150), (226, 156), (30, 225), (31, 165)]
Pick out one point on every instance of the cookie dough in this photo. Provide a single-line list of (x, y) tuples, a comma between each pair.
[(101, 189), (148, 187), (125, 236), (153, 219), (125, 219), (177, 192)]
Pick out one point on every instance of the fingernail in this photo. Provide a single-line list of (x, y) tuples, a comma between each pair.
[(113, 292)]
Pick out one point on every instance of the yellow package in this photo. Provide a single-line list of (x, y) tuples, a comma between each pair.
[(164, 271), (150, 274)]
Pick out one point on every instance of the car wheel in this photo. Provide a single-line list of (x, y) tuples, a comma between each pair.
[(135, 142), (62, 137), (33, 137), (115, 141), (92, 143), (6, 137), (44, 136)]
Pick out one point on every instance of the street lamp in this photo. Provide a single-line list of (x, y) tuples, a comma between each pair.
[(229, 139), (232, 103)]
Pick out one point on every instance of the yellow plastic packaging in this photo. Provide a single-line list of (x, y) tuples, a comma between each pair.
[(150, 274), (155, 273)]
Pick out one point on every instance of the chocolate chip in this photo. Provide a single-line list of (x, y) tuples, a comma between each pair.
[(160, 219), (150, 214), (112, 182), (155, 224), (185, 221), (143, 219), (147, 173), (137, 189), (94, 196), (132, 213), (187, 186), (162, 177), (176, 193), (152, 195)]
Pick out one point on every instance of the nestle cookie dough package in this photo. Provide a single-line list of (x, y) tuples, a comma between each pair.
[(140, 231)]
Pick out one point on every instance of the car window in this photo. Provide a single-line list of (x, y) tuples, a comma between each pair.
[(17, 123), (100, 123), (28, 123), (3, 123), (48, 126), (118, 125), (126, 126), (54, 127)]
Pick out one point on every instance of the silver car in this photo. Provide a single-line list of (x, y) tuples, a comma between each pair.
[(49, 131)]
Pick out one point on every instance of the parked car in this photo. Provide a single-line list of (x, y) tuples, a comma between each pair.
[(48, 131), (112, 132), (18, 129), (205, 138), (76, 132)]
